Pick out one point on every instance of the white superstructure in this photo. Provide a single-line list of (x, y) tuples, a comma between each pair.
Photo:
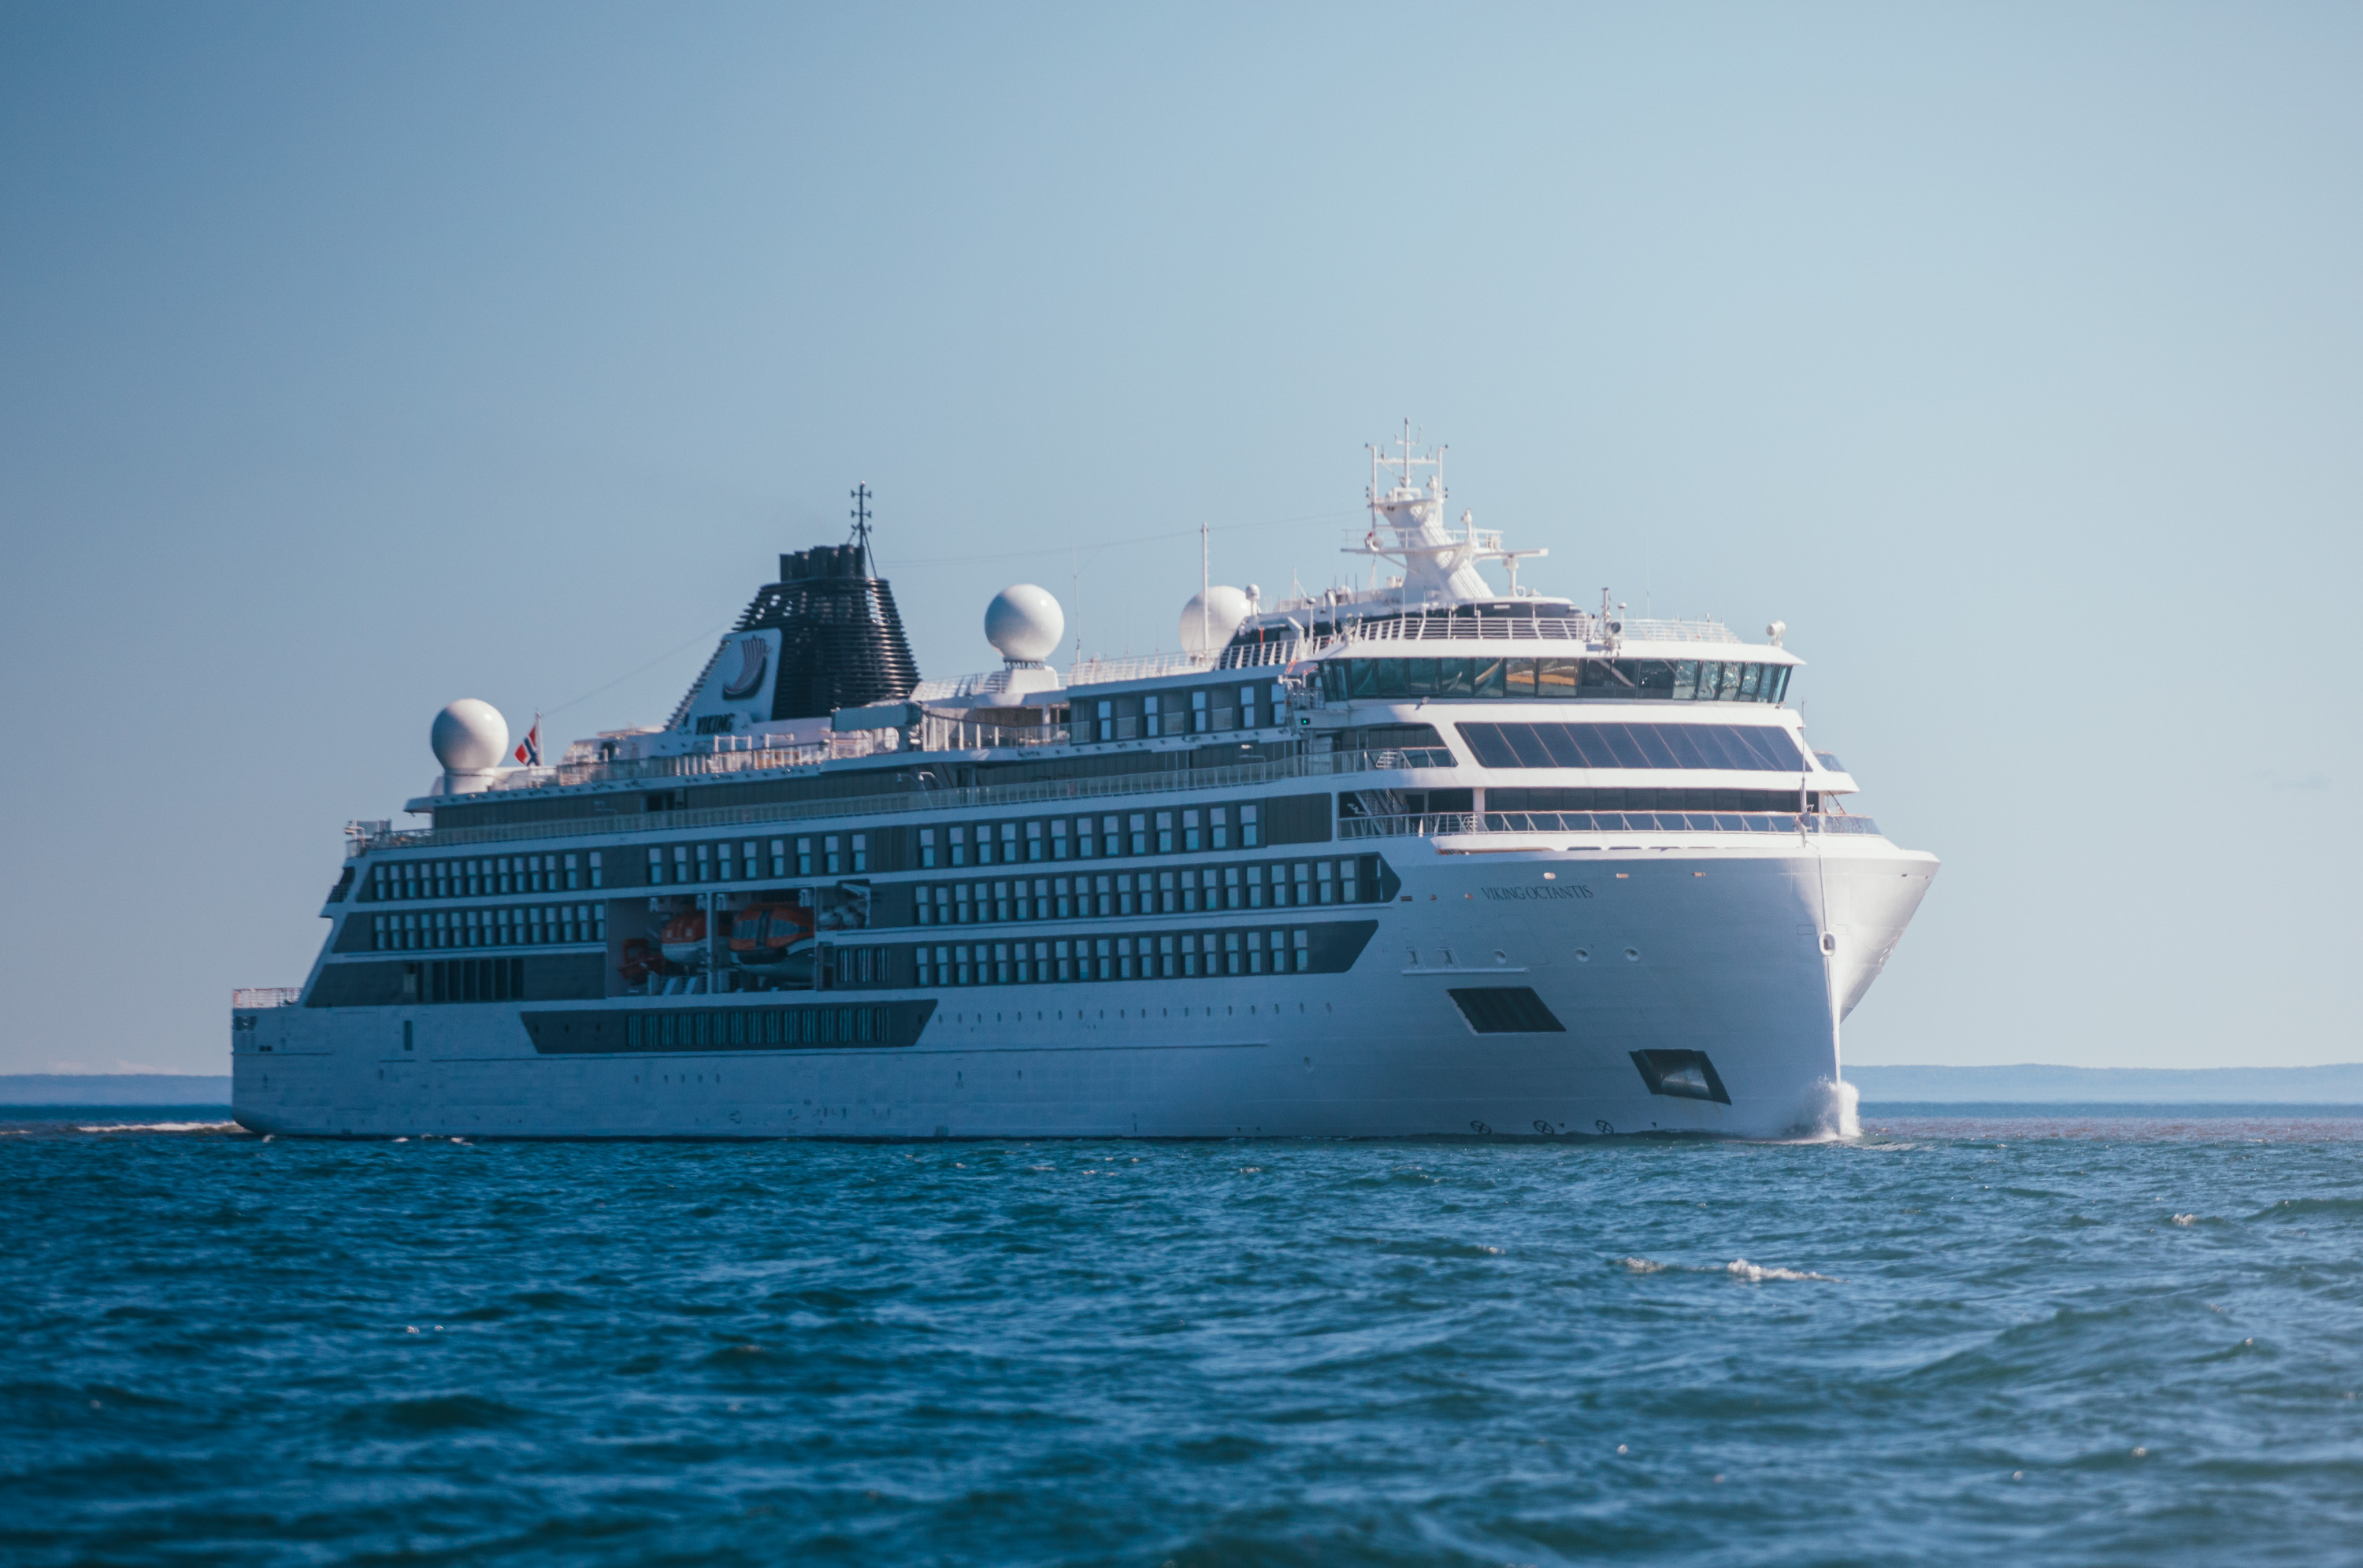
[(1415, 857)]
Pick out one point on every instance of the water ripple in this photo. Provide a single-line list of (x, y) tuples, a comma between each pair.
[(1959, 1338)]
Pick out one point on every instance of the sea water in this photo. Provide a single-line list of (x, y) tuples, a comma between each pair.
[(1970, 1335)]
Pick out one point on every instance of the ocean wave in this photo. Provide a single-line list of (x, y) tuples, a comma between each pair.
[(902, 1365), (2295, 1207), (434, 1413)]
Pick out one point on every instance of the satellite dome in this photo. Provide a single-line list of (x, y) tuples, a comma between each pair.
[(1024, 624), (1210, 618), (471, 736)]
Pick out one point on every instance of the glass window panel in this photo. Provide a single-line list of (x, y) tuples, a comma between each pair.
[(1564, 742), (1419, 677), (1651, 745), (1525, 742), (1779, 749), (1518, 676), (1714, 750), (1455, 677), (1655, 677), (1685, 679), (1749, 675), (1489, 745), (1619, 738), (1681, 740), (1557, 678)]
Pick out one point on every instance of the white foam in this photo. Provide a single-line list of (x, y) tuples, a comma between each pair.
[(1740, 1268), (1827, 1112), (160, 1126), (2186, 1219)]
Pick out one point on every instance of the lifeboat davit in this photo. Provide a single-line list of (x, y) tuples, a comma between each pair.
[(683, 941), (775, 941)]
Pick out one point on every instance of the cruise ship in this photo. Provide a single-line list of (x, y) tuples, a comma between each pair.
[(1418, 857)]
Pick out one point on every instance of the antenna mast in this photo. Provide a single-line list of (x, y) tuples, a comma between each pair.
[(861, 515), (1205, 581)]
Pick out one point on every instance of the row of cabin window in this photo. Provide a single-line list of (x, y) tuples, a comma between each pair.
[(1146, 715), (493, 875), (1187, 891), (1189, 830), (533, 925), (1545, 679), (860, 966), (1164, 958), (467, 980), (673, 1029), (741, 860)]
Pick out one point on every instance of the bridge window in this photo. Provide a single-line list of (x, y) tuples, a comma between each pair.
[(1557, 679)]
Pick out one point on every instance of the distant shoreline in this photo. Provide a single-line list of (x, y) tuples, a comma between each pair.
[(2341, 1084), (2025, 1083)]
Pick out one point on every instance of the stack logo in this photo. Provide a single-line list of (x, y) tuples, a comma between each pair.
[(755, 658)]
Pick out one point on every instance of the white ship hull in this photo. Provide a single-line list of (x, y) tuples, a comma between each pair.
[(1750, 950)]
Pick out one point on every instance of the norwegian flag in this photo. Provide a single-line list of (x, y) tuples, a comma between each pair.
[(528, 751)]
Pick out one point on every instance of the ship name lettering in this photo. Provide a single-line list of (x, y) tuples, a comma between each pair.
[(1573, 890)]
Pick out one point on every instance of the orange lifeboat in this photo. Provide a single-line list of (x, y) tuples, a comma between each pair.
[(774, 940), (683, 941)]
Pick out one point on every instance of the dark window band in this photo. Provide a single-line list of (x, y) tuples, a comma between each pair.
[(1557, 679), (1754, 748), (603, 1031)]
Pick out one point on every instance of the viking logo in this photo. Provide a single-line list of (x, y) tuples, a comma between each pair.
[(755, 656)]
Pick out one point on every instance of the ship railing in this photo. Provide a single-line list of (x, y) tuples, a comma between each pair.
[(1434, 824), (1640, 629), (727, 755), (1318, 764), (1440, 627), (1413, 627), (1237, 656), (1277, 650), (951, 732), (266, 996), (1422, 824), (721, 754), (1098, 671)]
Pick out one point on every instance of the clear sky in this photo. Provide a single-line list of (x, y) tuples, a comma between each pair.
[(358, 358)]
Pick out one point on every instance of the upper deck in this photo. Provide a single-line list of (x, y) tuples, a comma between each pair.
[(812, 708)]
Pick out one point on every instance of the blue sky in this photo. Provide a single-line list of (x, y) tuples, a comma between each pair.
[(354, 358)]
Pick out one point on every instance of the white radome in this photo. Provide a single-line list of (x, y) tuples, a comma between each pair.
[(1224, 608), (1024, 624), (471, 736)]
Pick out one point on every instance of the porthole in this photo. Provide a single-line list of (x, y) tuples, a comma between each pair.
[(1499, 957), (1583, 955), (1829, 942), (1632, 956)]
